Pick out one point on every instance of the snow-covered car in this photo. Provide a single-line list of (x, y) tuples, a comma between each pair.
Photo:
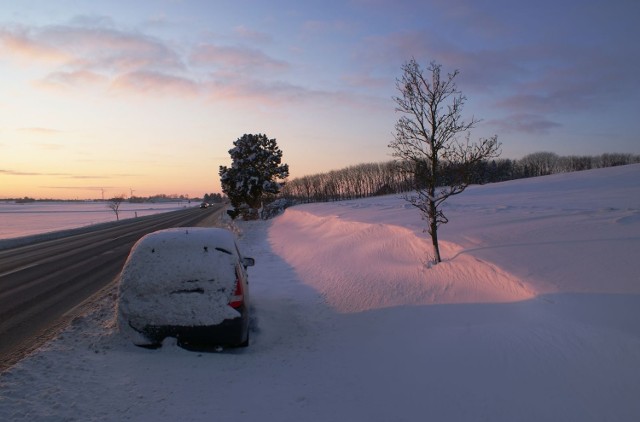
[(187, 283)]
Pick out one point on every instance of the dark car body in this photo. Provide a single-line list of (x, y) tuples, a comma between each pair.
[(187, 283)]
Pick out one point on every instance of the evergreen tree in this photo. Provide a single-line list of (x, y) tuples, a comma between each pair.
[(256, 173)]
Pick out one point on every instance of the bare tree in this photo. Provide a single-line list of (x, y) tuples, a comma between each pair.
[(114, 205), (541, 163), (426, 143)]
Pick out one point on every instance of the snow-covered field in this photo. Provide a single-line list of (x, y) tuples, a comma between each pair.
[(17, 220), (533, 316)]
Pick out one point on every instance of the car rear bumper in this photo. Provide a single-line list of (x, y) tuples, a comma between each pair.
[(231, 332)]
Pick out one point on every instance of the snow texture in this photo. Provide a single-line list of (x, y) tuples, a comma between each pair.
[(532, 316)]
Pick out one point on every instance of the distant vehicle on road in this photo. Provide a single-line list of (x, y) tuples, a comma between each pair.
[(204, 205), (188, 283)]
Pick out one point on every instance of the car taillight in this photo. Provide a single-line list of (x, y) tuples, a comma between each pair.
[(237, 299)]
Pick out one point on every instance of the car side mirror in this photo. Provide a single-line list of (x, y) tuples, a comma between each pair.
[(248, 262)]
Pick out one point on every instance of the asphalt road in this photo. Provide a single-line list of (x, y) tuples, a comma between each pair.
[(42, 283)]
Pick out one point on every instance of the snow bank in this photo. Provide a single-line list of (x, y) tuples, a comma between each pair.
[(361, 266), (565, 233)]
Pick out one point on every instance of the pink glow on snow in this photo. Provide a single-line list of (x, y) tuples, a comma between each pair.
[(361, 266)]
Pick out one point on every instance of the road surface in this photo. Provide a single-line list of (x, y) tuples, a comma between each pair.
[(43, 285)]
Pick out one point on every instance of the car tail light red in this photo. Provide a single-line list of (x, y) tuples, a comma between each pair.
[(237, 299)]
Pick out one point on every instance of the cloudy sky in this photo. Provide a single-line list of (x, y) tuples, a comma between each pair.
[(150, 95)]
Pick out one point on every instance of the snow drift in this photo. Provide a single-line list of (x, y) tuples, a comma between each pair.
[(362, 266)]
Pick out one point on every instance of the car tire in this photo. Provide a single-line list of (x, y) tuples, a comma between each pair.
[(245, 343), (150, 345)]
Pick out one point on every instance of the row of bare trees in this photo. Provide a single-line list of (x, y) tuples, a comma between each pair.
[(359, 181), (373, 179), (545, 163)]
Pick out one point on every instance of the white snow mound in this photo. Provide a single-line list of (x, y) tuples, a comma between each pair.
[(361, 266)]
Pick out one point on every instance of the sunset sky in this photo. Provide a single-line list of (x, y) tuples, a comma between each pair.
[(149, 96)]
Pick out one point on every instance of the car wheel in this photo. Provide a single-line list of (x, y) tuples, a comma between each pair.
[(152, 346), (245, 343)]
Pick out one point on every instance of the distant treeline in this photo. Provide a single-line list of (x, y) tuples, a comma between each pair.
[(207, 197), (132, 199), (213, 198), (373, 179), (161, 197)]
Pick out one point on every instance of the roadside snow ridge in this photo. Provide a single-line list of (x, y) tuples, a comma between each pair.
[(380, 265)]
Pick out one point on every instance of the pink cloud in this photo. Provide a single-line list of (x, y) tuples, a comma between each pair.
[(230, 87), (99, 57), (20, 44), (155, 82), (251, 35), (479, 68), (235, 58), (101, 50), (114, 50), (528, 123), (28, 173), (238, 89), (73, 79)]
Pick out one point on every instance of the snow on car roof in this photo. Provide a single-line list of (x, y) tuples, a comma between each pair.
[(189, 237)]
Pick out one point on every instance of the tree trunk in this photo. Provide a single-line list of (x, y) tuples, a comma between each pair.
[(433, 211), (433, 231)]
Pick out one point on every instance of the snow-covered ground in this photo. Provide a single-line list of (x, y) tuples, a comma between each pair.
[(533, 316), (42, 217)]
